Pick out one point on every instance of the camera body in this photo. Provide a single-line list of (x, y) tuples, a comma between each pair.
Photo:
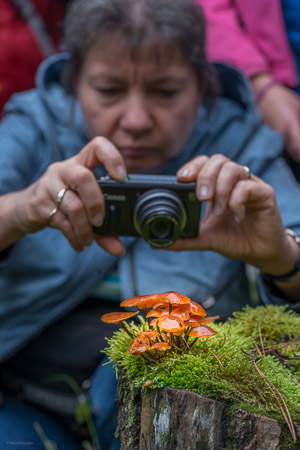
[(157, 207)]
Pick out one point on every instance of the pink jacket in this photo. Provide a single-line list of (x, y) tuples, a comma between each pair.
[(250, 35)]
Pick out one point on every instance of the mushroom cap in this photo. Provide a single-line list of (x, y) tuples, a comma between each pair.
[(213, 318), (175, 298), (147, 336), (202, 331), (144, 301), (161, 346), (192, 322), (201, 320), (117, 317), (149, 333), (154, 322), (195, 309), (138, 349), (154, 313), (160, 305), (182, 313), (170, 324)]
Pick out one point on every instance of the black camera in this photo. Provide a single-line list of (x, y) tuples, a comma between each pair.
[(157, 207)]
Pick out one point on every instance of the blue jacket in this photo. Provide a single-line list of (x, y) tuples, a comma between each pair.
[(44, 277)]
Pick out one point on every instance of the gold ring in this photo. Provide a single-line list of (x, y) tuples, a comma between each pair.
[(247, 172), (60, 196), (52, 213)]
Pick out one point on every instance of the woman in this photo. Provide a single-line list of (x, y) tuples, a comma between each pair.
[(141, 98)]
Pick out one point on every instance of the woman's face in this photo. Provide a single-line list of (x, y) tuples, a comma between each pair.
[(145, 107)]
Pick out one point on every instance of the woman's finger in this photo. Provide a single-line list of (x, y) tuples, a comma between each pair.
[(74, 210), (229, 175), (101, 151), (111, 244), (61, 222)]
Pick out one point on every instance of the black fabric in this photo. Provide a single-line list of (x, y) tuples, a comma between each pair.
[(71, 346)]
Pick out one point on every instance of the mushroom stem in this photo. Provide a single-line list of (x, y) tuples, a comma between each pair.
[(152, 357), (185, 343), (146, 310), (159, 336), (193, 342), (147, 359), (171, 339), (177, 348), (187, 332), (126, 329)]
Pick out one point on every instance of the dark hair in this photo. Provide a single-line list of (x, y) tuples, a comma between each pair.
[(179, 22)]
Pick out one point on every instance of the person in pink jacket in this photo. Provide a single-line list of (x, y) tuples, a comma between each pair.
[(252, 37)]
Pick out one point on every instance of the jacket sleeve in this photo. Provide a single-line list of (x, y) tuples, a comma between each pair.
[(269, 294), (250, 36), (21, 152)]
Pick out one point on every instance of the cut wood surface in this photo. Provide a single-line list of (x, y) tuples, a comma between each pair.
[(175, 419)]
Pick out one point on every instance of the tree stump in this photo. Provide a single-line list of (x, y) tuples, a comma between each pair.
[(175, 419)]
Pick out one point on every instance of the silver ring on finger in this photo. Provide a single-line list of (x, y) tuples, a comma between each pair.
[(52, 214), (60, 196), (247, 172)]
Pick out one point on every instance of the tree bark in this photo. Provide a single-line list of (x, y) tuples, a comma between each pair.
[(174, 419)]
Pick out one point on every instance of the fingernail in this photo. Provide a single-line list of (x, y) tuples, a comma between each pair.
[(184, 173), (217, 209), (121, 173), (202, 192), (98, 220)]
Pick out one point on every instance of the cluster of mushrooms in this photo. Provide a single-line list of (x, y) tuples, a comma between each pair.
[(172, 319)]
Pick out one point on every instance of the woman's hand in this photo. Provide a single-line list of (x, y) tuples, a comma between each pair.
[(280, 107), (82, 206), (242, 220)]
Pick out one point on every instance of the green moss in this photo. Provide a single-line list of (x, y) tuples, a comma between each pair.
[(130, 409), (223, 367)]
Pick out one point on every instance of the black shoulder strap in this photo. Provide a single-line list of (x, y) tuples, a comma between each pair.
[(29, 13)]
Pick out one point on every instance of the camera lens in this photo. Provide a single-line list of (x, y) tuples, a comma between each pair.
[(159, 216), (161, 228)]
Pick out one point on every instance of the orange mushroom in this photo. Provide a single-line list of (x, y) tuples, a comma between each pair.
[(171, 321), (149, 333), (191, 322), (195, 309), (148, 336), (154, 322), (160, 346), (163, 305), (182, 313), (175, 298), (138, 349), (119, 317), (142, 301), (202, 331), (170, 324), (154, 313), (201, 320)]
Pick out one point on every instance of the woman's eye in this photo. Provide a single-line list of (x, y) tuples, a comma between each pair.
[(167, 93), (109, 91)]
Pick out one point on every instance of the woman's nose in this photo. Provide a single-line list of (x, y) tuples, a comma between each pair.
[(136, 117)]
